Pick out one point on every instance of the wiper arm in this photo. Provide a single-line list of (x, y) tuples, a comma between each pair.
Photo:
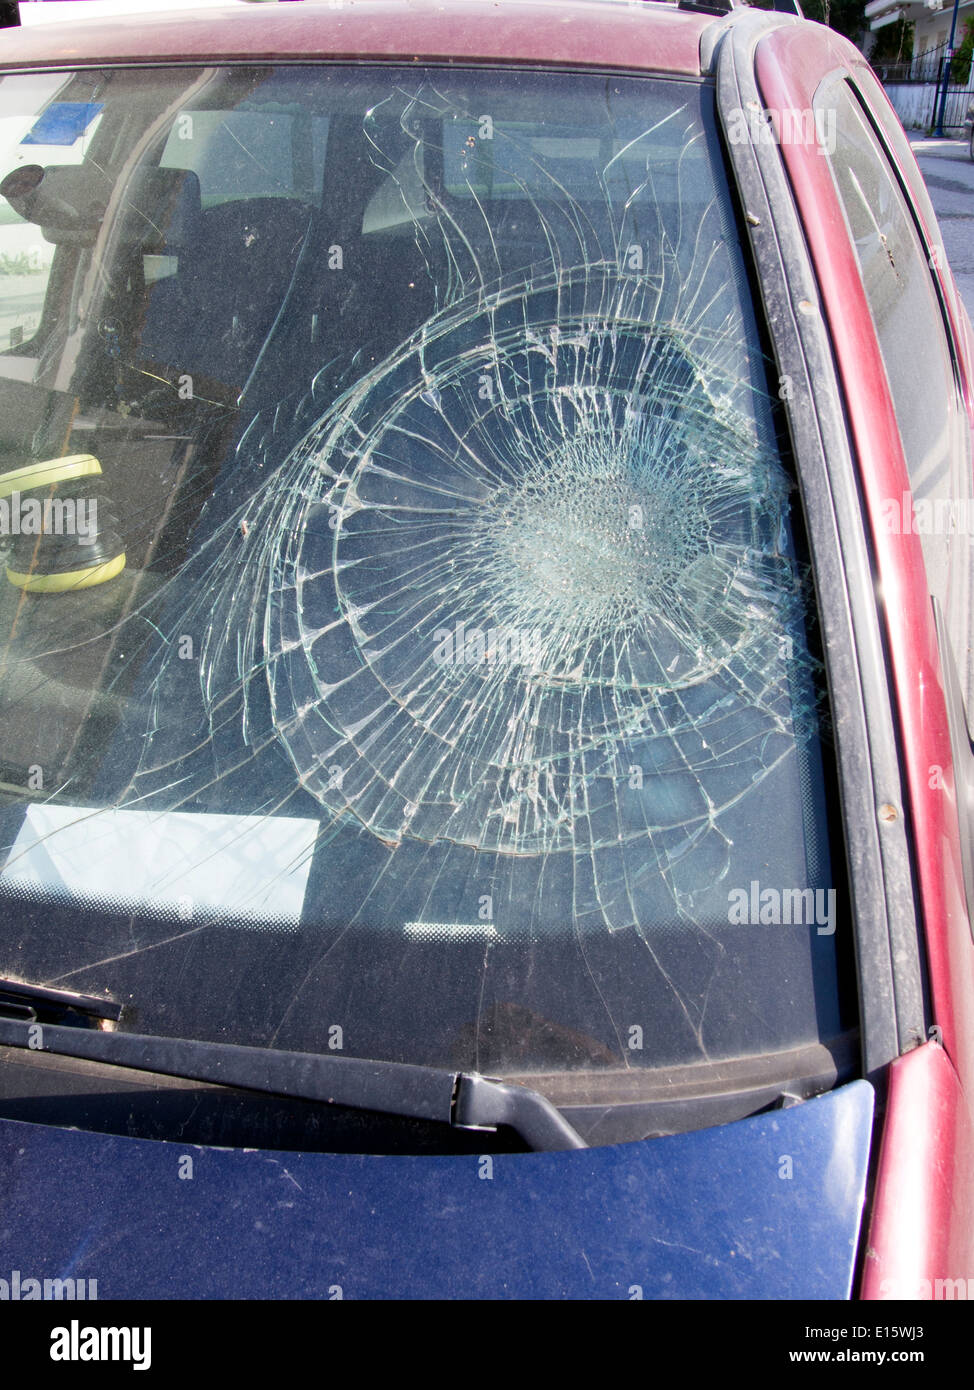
[(464, 1100), (37, 1003)]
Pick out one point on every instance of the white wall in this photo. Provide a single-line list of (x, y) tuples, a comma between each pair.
[(913, 102)]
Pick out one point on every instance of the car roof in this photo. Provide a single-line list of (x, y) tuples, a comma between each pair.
[(654, 36)]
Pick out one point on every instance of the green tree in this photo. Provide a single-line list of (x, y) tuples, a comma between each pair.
[(894, 43), (960, 68), (847, 17)]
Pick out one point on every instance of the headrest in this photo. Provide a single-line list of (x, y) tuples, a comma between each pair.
[(162, 209)]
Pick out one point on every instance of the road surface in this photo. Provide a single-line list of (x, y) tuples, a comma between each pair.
[(948, 170)]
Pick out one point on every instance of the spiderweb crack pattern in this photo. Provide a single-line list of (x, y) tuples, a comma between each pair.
[(524, 586)]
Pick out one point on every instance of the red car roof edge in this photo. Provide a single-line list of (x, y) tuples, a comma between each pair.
[(580, 33), (913, 651), (928, 1132)]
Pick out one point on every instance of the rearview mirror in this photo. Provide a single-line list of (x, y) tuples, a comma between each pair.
[(58, 199)]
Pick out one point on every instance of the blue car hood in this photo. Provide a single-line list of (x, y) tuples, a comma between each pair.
[(767, 1207)]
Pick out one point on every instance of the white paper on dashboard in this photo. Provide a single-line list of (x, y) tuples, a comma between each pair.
[(251, 870)]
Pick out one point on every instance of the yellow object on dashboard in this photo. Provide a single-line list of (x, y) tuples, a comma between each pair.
[(46, 472), (63, 534), (68, 581)]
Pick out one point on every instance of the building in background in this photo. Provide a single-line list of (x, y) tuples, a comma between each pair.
[(931, 20), (915, 77)]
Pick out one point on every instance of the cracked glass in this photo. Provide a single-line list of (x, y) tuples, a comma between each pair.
[(431, 672)]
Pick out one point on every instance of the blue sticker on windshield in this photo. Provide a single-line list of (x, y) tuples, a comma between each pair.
[(62, 123)]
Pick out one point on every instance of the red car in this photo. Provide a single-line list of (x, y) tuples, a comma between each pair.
[(488, 500)]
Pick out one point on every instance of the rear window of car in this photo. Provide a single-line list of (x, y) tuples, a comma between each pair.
[(898, 282), (425, 665)]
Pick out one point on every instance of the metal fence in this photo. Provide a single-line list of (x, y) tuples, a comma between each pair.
[(915, 88), (927, 67)]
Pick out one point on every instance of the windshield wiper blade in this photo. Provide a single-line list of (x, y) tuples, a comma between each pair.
[(464, 1100), (38, 1003)]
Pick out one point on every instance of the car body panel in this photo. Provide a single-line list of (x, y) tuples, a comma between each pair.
[(768, 1207), (913, 651), (586, 34), (891, 1012), (922, 1226), (789, 73)]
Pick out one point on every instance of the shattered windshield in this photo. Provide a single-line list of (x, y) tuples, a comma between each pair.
[(407, 643)]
